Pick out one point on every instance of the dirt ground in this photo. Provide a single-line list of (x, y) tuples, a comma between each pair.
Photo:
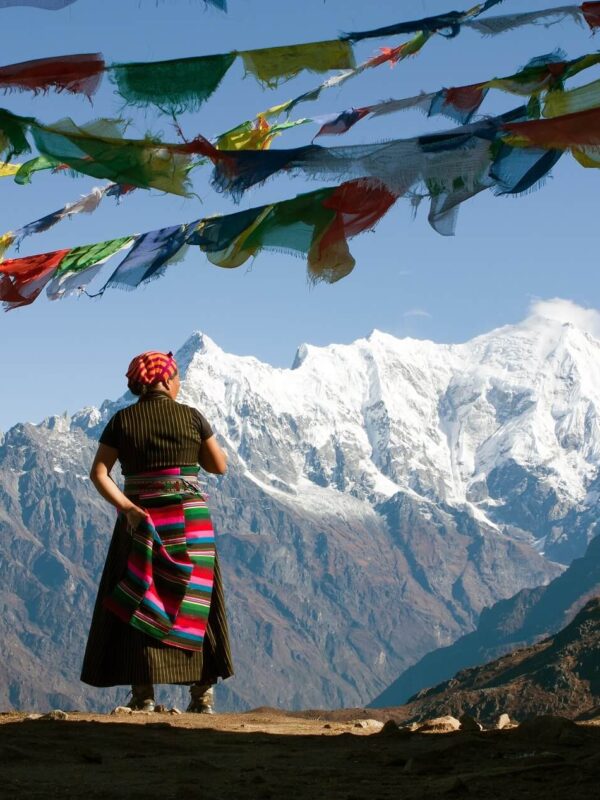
[(268, 754)]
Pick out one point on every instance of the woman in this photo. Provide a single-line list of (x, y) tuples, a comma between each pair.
[(160, 613)]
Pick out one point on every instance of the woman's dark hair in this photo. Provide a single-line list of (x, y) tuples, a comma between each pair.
[(138, 388)]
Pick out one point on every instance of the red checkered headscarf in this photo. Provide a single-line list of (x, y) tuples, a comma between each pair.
[(150, 368)]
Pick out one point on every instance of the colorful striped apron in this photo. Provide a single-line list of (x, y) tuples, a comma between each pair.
[(167, 586)]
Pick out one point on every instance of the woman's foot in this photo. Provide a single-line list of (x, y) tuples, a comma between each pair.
[(142, 698), (201, 700)]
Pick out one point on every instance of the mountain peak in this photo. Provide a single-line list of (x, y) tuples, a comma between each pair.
[(197, 344), (375, 334), (568, 314), (375, 337), (381, 337), (58, 422)]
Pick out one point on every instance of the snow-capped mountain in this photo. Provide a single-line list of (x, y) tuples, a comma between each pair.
[(380, 495), (505, 428)]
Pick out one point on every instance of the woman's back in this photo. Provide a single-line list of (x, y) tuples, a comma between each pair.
[(156, 432)]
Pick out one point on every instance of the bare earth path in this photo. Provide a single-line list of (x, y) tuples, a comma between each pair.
[(268, 754)]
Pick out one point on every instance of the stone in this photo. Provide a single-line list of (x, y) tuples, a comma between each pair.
[(391, 728), (31, 717), (551, 730), (370, 724), (503, 721), (121, 710), (57, 714), (470, 724), (446, 724), (174, 710)]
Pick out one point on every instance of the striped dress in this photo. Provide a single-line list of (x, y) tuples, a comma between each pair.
[(153, 434)]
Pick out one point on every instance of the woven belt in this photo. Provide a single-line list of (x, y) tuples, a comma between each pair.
[(150, 485)]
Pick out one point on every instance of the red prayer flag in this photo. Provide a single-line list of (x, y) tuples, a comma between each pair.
[(465, 98), (22, 279), (570, 130), (78, 74), (591, 13), (359, 205)]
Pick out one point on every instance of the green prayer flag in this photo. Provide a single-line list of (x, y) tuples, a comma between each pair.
[(175, 86), (26, 170), (80, 258), (13, 140), (144, 163)]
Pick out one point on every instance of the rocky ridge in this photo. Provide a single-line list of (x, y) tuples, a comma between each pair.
[(559, 676), (519, 621)]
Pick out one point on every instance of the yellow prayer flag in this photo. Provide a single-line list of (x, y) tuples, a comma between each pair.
[(273, 64), (7, 170), (236, 254), (559, 103), (5, 242)]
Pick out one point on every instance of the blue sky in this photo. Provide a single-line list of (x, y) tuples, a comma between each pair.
[(408, 280)]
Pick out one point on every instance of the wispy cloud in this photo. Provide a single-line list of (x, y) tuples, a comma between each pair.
[(417, 312), (561, 310)]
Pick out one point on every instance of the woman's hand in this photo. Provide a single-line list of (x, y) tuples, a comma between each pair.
[(100, 477), (135, 516)]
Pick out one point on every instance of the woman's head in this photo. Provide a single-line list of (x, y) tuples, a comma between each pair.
[(153, 370)]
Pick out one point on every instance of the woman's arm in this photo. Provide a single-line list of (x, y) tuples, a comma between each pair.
[(211, 457), (104, 461)]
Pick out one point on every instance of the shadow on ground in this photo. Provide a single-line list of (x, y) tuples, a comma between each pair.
[(166, 757)]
